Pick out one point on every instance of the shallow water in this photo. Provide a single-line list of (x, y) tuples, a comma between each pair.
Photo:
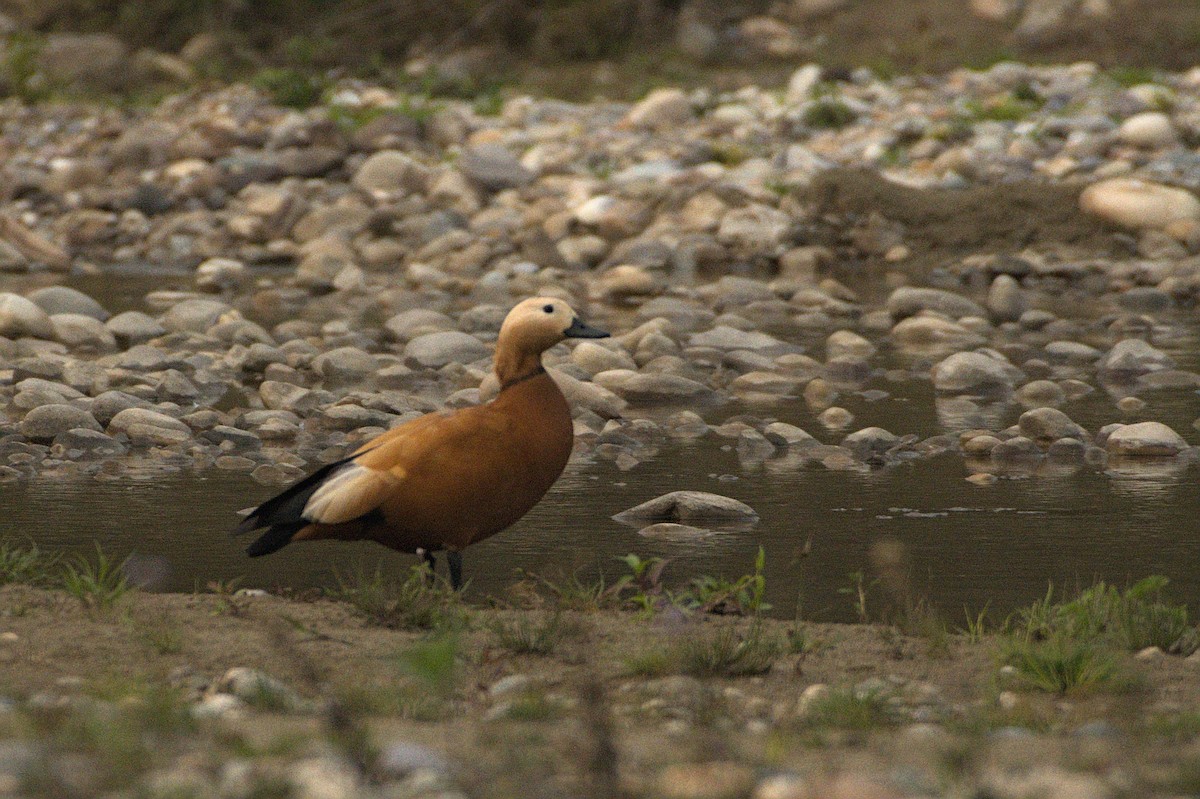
[(962, 546)]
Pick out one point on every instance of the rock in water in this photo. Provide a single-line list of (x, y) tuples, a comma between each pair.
[(1145, 438), (687, 507)]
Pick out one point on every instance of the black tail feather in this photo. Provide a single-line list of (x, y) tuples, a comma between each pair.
[(275, 538)]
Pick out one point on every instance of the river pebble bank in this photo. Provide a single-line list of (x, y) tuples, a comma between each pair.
[(1019, 247)]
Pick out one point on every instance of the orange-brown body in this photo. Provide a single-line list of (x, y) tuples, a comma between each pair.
[(461, 477)]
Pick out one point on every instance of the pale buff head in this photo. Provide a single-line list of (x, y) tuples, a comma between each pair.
[(532, 327)]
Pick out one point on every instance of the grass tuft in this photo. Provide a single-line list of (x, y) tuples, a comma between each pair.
[(291, 88), (99, 585), (531, 634), (849, 709), (421, 601), (25, 564), (829, 114), (1138, 617), (1061, 665), (724, 652)]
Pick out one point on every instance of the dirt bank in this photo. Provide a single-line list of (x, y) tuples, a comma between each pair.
[(601, 710)]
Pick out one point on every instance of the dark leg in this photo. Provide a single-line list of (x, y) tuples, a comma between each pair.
[(431, 562), (454, 560)]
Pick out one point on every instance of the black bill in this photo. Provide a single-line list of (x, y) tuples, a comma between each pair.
[(579, 330)]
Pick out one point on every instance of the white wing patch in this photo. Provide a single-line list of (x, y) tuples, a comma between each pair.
[(350, 492)]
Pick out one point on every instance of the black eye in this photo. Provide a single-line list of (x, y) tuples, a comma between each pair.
[(548, 308)]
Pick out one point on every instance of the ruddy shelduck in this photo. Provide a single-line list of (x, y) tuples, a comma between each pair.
[(451, 478)]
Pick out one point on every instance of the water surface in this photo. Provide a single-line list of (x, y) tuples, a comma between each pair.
[(966, 546)]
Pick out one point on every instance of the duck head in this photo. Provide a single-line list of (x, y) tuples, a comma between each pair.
[(532, 327)]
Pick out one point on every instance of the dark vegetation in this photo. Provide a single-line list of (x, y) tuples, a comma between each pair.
[(552, 45)]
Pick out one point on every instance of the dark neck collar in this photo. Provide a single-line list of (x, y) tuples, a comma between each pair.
[(541, 370)]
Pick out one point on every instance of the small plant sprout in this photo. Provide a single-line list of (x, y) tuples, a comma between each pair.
[(976, 627), (643, 584), (743, 596), (858, 590)]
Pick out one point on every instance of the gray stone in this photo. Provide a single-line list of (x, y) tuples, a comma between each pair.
[(83, 332), (1145, 438), (908, 301), (79, 443), (782, 434), (1045, 425), (765, 383), (407, 325), (1041, 393), (1016, 450), (755, 227), (1132, 357), (389, 172), (288, 397), (1144, 299), (933, 333), (670, 531), (110, 403), (1139, 204), (582, 394), (345, 366), (980, 445), (220, 274), (20, 317), (648, 389), (847, 345), (723, 337), (661, 108), (870, 440), (134, 327), (435, 350), (1067, 449), (46, 422), (348, 417), (403, 759), (147, 418), (974, 371), (594, 358), (63, 299), (232, 438), (493, 167), (259, 689), (193, 316), (836, 418), (1006, 299), (689, 506), (685, 424), (1071, 352), (1151, 129)]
